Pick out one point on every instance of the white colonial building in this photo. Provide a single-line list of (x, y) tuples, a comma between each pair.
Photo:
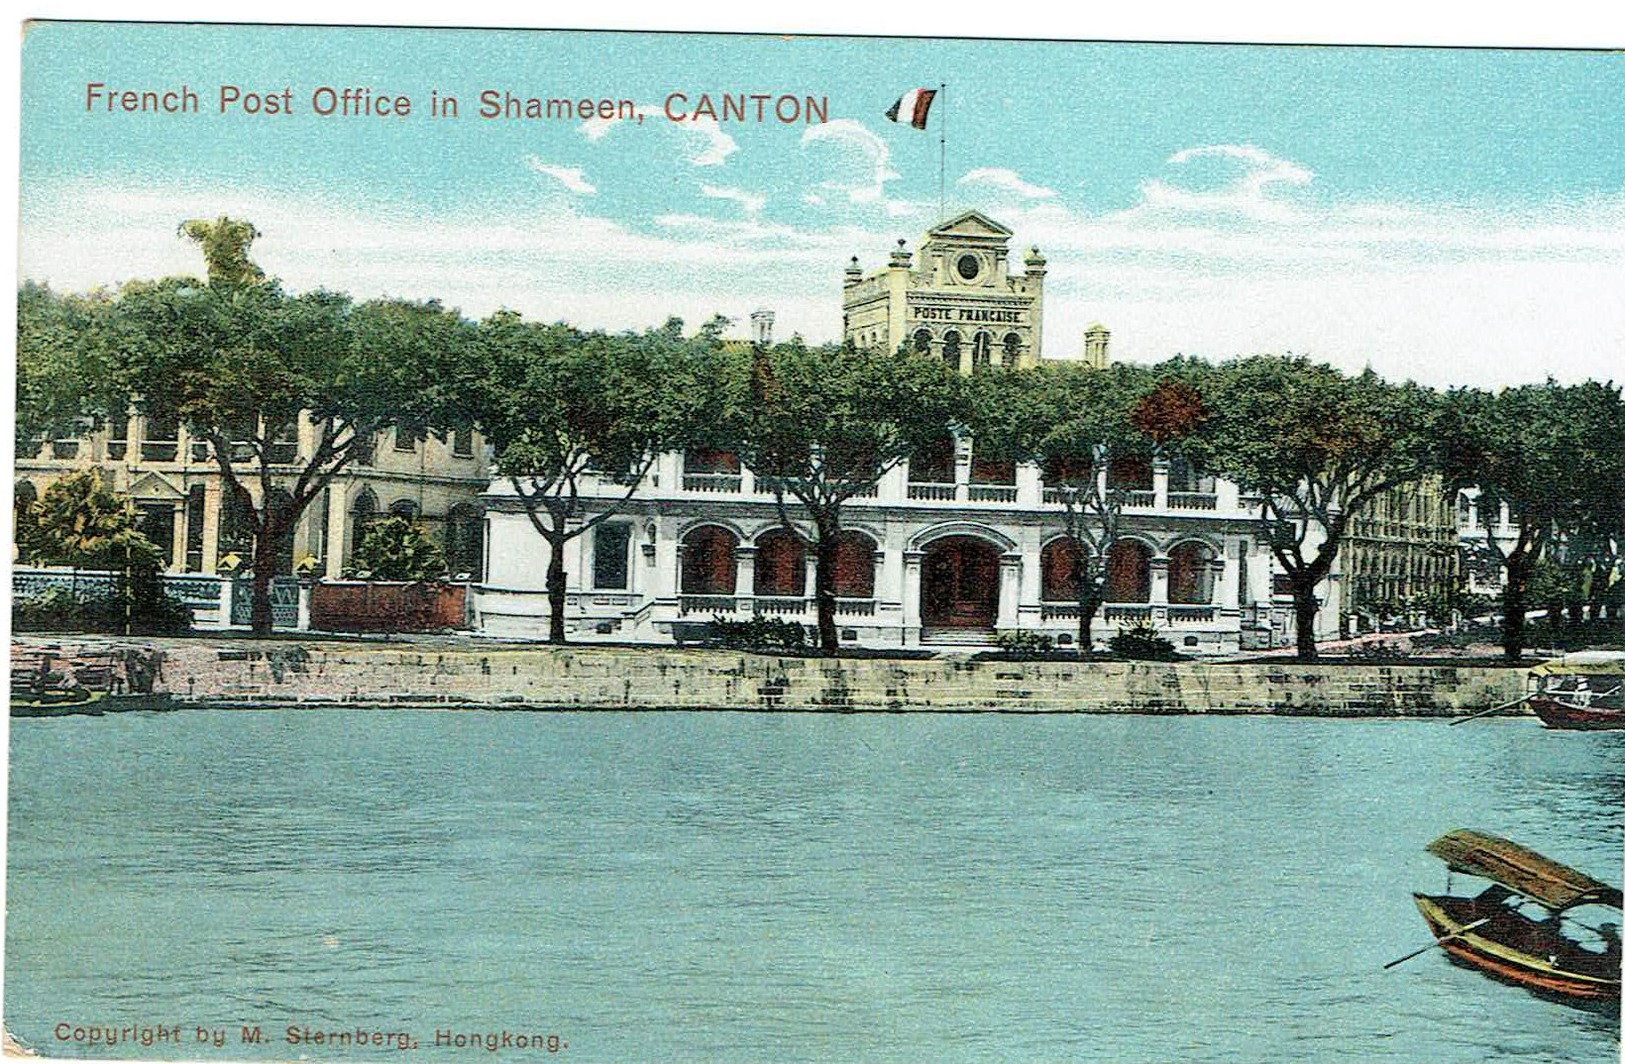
[(947, 549)]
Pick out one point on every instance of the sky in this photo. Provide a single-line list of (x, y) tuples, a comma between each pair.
[(1451, 216)]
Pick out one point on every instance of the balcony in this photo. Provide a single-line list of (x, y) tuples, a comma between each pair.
[(776, 606), (1120, 614), (712, 483), (1005, 493), (1192, 614), (707, 604), (1193, 500), (1059, 611), (931, 492), (64, 449), (1138, 499), (159, 450)]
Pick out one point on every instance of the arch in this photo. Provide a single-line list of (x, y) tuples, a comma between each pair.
[(781, 564), (363, 511), (1012, 348), (404, 508), (1060, 569), (922, 341), (710, 561), (927, 536), (1190, 573), (950, 348), (981, 350), (959, 583), (1128, 571), (855, 565)]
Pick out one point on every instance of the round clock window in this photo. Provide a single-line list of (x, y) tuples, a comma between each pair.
[(968, 266)]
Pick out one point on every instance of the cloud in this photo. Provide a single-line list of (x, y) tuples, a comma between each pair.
[(570, 177), (707, 144), (1241, 186), (856, 163), (1007, 180), (750, 201), (1468, 294)]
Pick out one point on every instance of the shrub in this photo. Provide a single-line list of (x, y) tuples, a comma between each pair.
[(395, 548), (1025, 644), (142, 606), (1141, 642), (758, 633)]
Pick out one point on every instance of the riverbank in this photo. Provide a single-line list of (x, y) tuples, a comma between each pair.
[(238, 672)]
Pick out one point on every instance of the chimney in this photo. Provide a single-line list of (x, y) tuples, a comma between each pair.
[(761, 327), (1096, 339)]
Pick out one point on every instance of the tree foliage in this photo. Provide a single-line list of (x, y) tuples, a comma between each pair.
[(65, 378), (1554, 455), (1073, 421), (395, 548), (561, 408), (820, 425), (1315, 446), (80, 522)]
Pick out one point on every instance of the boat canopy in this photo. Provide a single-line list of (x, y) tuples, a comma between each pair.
[(1520, 869), (1588, 662)]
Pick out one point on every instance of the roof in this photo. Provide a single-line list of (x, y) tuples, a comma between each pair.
[(1520, 869)]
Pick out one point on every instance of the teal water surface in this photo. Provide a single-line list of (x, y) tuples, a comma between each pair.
[(736, 887)]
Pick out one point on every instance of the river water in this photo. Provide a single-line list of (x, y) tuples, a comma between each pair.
[(741, 887)]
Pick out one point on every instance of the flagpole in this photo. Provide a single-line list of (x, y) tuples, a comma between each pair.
[(942, 154)]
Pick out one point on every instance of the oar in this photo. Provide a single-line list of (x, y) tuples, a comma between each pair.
[(1440, 942), (1487, 712)]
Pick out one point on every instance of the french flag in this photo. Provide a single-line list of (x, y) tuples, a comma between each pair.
[(912, 107)]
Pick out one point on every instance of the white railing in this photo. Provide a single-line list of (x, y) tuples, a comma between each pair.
[(851, 607), (712, 482), (931, 492), (687, 604), (1193, 500), (992, 493), (780, 606), (1059, 611), (1128, 613), (1191, 614), (1139, 498)]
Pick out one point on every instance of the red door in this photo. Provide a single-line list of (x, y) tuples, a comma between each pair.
[(959, 584)]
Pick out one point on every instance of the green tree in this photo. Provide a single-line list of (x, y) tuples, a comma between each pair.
[(65, 378), (1315, 446), (1552, 454), (577, 418), (822, 425), (81, 523), (252, 369), (395, 548), (1073, 421)]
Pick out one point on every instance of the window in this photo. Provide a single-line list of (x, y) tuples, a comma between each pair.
[(1012, 348), (405, 440), (709, 565), (922, 342), (854, 566), (462, 443), (1061, 570), (609, 553), (969, 266), (781, 565), (981, 351), (950, 349)]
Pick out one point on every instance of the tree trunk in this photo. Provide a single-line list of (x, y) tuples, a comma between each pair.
[(829, 542), (1304, 609), (1087, 609), (555, 591), (1513, 605), (260, 617)]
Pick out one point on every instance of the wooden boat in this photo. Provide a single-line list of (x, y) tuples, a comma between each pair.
[(1584, 691), (83, 687), (1523, 929)]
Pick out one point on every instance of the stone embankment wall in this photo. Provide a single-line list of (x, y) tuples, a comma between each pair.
[(239, 672)]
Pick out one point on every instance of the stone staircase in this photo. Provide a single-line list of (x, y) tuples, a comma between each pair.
[(970, 638)]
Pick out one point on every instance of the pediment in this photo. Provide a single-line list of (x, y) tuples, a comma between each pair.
[(155, 487), (969, 224)]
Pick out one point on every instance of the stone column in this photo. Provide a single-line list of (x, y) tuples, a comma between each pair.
[(211, 525), (177, 551), (809, 585), (1029, 485), (745, 574), (1159, 482), (911, 597), (337, 541), (1009, 590), (962, 446), (1159, 588)]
